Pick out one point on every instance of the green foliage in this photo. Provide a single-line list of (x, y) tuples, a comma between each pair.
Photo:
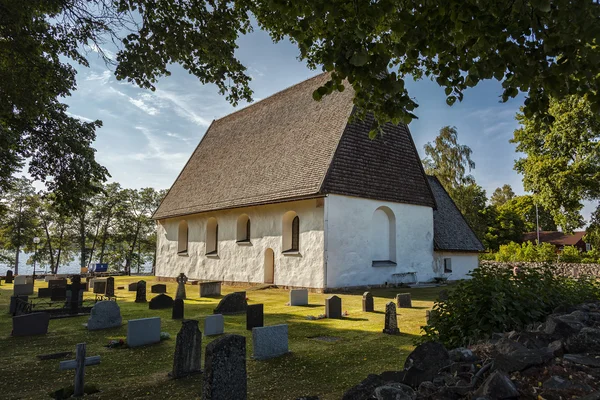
[(526, 252), (570, 254), (449, 160), (524, 207), (591, 257), (495, 300), (502, 195), (503, 226)]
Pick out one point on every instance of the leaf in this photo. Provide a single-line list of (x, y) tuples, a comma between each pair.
[(359, 58)]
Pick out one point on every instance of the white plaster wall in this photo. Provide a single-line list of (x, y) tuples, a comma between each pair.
[(349, 241), (245, 262), (462, 264)]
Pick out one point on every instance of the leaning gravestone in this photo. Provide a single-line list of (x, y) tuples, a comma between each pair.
[(333, 307), (99, 286), (158, 288), (254, 316), (269, 341), (140, 295), (160, 302), (31, 324), (25, 289), (404, 300), (208, 289), (181, 281), (104, 315), (233, 303), (132, 286), (225, 369), (110, 287), (367, 302), (188, 349), (9, 276), (214, 325), (298, 297), (143, 331), (12, 308), (391, 320), (177, 309)]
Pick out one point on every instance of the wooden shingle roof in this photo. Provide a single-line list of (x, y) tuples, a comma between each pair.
[(289, 146)]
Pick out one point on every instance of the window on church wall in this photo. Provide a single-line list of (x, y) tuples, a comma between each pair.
[(182, 238), (383, 237), (290, 233), (243, 229), (212, 236)]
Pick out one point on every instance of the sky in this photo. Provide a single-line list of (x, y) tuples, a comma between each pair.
[(147, 137)]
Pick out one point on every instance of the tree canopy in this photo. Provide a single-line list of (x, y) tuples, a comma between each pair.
[(502, 195)]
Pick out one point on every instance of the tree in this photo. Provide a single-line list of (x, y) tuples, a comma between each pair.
[(592, 235), (524, 207), (502, 195), (504, 226), (59, 235), (561, 165), (470, 200)]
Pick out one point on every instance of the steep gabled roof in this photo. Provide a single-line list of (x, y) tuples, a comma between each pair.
[(451, 232), (289, 146), (555, 237)]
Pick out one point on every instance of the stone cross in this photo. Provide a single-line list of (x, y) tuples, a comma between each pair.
[(391, 321), (140, 295), (367, 302), (78, 364), (181, 281)]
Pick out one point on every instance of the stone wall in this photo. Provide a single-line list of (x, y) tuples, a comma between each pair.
[(567, 269)]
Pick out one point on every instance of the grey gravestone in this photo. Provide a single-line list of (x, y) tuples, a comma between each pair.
[(20, 280), (143, 331), (298, 297), (333, 307), (25, 289), (57, 283), (140, 295), (403, 300), (391, 321), (367, 302), (12, 308), (58, 294), (31, 324), (158, 288), (181, 281), (9, 276), (44, 292), (255, 316), (99, 286), (269, 341), (188, 349), (104, 315), (110, 287), (160, 302), (225, 369), (233, 303), (208, 289), (443, 296), (214, 325), (177, 309), (132, 286)]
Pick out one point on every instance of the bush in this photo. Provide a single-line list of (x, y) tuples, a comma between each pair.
[(495, 300), (591, 257), (570, 254), (526, 252), (546, 252)]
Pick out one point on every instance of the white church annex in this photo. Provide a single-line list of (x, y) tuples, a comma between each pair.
[(286, 191)]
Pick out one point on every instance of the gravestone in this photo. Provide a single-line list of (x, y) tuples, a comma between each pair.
[(79, 364), (44, 292), (160, 302), (177, 309), (140, 295), (443, 296), (208, 289), (367, 302), (104, 315), (74, 294), (12, 308), (58, 294), (298, 297), (30, 324), (391, 321), (57, 283), (132, 286), (269, 342), (25, 289), (9, 276), (99, 286), (333, 307), (110, 287), (225, 369), (20, 280), (158, 288), (214, 325), (188, 349), (181, 281), (233, 303), (143, 331), (403, 300), (254, 316)]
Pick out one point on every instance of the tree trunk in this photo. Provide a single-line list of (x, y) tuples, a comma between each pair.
[(104, 238), (17, 260), (60, 243), (49, 241), (94, 243), (82, 255), (132, 248)]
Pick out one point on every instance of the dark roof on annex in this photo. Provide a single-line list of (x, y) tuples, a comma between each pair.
[(289, 146), (555, 237), (451, 230)]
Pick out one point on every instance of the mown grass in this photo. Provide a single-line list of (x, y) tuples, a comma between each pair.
[(313, 367)]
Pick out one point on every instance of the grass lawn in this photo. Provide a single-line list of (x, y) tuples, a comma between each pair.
[(313, 367)]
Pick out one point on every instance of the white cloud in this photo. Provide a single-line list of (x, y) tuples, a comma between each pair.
[(103, 78), (182, 106), (139, 103), (81, 117), (158, 149), (109, 54)]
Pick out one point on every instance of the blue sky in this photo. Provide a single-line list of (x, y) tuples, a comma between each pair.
[(148, 136)]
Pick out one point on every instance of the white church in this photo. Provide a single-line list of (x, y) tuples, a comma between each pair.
[(287, 191)]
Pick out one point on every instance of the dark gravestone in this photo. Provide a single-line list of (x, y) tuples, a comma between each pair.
[(425, 362), (75, 298), (255, 316), (367, 302), (160, 302), (208, 289), (233, 303), (177, 309), (57, 283), (100, 287), (58, 294), (391, 321), (159, 288), (132, 286), (333, 307), (31, 324), (44, 292), (9, 276), (181, 281), (404, 300), (188, 349), (12, 308), (225, 369), (140, 295), (110, 287)]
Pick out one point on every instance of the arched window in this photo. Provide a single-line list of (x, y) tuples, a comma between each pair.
[(182, 238), (291, 232), (243, 229), (383, 237), (212, 237)]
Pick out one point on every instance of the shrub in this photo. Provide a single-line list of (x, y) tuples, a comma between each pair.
[(495, 300), (570, 254), (591, 257), (489, 256), (546, 252)]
